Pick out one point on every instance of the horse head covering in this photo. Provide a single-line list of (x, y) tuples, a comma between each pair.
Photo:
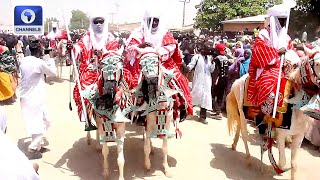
[(98, 28), (153, 24)]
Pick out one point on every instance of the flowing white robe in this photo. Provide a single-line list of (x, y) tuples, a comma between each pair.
[(14, 165), (32, 93), (3, 119), (202, 81)]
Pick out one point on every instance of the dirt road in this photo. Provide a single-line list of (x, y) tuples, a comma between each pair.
[(203, 153)]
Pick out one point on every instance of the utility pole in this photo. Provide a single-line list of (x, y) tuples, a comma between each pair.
[(184, 10), (117, 14)]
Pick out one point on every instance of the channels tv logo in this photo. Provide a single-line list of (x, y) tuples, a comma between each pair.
[(28, 20)]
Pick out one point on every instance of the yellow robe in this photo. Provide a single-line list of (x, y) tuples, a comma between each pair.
[(7, 86)]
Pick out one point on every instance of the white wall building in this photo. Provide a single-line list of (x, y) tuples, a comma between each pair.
[(6, 28)]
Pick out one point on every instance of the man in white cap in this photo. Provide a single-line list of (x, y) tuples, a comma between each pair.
[(153, 33), (271, 43), (32, 96), (88, 52)]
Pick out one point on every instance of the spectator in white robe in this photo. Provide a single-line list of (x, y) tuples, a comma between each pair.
[(14, 165), (203, 66), (3, 119), (32, 95)]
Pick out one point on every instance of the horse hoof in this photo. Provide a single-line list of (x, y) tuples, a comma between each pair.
[(168, 174), (89, 141), (147, 171), (105, 174), (248, 159), (233, 147)]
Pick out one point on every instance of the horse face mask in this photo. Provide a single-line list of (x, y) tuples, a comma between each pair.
[(150, 65), (111, 67), (107, 100)]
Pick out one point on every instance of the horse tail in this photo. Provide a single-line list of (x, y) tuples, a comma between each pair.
[(232, 112)]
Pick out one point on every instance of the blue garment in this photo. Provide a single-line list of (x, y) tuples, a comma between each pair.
[(244, 65)]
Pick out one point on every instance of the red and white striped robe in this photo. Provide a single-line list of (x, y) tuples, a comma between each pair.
[(170, 60), (83, 52), (259, 89)]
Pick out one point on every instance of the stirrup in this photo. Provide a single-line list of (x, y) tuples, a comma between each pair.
[(90, 127)]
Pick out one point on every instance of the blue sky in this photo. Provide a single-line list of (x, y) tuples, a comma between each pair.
[(128, 10)]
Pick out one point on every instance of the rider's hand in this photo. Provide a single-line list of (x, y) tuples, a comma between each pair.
[(69, 45), (282, 51), (118, 95), (184, 68), (145, 44)]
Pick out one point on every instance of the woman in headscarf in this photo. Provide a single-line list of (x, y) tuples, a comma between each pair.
[(244, 64), (234, 68)]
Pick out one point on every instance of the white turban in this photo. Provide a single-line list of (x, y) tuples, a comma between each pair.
[(98, 39), (155, 38)]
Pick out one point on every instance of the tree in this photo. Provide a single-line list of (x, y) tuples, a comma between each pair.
[(48, 22), (305, 17), (212, 12), (79, 20)]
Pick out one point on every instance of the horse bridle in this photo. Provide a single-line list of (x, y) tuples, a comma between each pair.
[(311, 61)]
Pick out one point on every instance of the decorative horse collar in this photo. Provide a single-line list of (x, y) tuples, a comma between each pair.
[(309, 78)]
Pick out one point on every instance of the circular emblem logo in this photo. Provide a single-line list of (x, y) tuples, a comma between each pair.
[(28, 16)]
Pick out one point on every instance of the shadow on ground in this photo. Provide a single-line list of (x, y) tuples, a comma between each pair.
[(310, 148), (234, 165), (86, 162)]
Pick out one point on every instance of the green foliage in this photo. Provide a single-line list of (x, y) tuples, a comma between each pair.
[(48, 23), (79, 20), (305, 17), (212, 12)]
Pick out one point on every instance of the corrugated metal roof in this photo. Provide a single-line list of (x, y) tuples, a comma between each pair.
[(252, 19)]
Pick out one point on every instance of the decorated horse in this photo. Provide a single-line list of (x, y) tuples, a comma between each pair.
[(290, 120), (110, 100), (155, 91), (63, 56)]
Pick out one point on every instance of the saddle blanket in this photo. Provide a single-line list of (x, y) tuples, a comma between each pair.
[(285, 91)]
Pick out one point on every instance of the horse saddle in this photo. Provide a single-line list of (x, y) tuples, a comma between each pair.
[(251, 111), (285, 89)]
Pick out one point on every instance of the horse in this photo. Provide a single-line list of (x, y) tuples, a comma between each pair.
[(108, 114), (63, 56), (237, 121), (156, 94)]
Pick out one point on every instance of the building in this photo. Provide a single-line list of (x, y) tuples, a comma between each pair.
[(126, 27), (4, 28), (243, 24)]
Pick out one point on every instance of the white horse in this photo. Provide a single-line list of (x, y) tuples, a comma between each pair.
[(62, 57), (236, 118), (158, 104), (109, 117)]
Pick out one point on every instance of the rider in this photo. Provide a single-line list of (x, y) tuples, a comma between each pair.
[(152, 33), (53, 34), (270, 44), (89, 52)]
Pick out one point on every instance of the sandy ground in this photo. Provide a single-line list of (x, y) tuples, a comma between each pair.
[(202, 153)]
